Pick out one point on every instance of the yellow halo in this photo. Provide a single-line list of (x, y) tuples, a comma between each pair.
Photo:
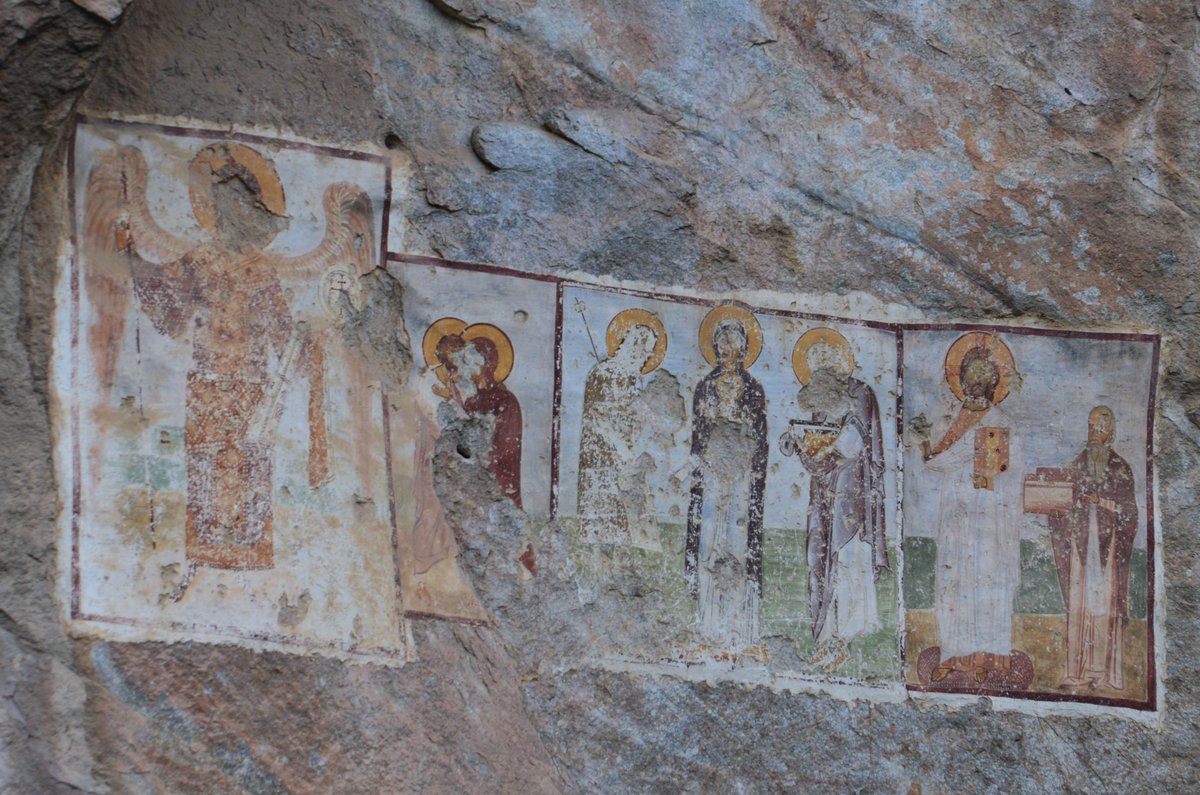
[(438, 329), (816, 336), (504, 348), (1000, 355), (205, 171), (754, 338), (627, 319)]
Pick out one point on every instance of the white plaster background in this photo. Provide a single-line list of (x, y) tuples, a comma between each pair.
[(786, 498), (1061, 379), (328, 543)]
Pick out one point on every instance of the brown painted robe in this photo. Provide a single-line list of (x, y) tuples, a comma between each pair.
[(505, 459), (239, 321), (845, 500), (1116, 531)]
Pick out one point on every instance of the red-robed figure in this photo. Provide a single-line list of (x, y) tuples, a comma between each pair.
[(1093, 543), (477, 362)]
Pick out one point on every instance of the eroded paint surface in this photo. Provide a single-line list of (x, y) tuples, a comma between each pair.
[(741, 463), (1026, 494), (729, 477), (224, 460)]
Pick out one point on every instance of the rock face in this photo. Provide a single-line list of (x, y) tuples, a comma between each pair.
[(981, 162)]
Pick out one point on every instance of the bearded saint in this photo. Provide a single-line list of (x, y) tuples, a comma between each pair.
[(1093, 542)]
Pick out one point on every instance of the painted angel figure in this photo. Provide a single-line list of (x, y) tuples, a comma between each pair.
[(224, 294)]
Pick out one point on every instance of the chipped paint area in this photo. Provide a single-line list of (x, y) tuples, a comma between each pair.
[(726, 473), (805, 492), (220, 450)]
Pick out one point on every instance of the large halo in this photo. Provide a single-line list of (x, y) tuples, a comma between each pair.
[(627, 319), (812, 337), (504, 348), (208, 163), (1000, 355), (754, 338), (438, 329)]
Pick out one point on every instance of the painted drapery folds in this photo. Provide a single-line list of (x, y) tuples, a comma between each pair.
[(768, 489)]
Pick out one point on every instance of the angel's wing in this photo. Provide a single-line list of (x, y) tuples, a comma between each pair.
[(117, 219), (120, 240), (349, 234)]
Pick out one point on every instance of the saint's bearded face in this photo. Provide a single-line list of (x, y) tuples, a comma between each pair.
[(979, 378), (636, 347), (1100, 426)]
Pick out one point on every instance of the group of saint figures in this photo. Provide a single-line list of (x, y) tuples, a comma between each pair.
[(224, 295), (977, 468), (840, 445)]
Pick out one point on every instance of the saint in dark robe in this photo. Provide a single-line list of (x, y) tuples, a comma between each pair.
[(723, 557), (1093, 543), (841, 446)]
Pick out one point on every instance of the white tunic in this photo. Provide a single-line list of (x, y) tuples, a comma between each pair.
[(978, 546)]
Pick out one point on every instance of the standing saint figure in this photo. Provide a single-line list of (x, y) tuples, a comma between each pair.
[(1093, 542), (841, 446), (224, 295), (723, 557), (612, 432), (976, 468), (473, 361)]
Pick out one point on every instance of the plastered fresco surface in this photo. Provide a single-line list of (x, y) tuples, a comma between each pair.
[(777, 490), (223, 464), (727, 476)]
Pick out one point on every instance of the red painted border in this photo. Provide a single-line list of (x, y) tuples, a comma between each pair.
[(1150, 703)]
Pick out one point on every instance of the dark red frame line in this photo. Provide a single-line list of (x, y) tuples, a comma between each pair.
[(898, 329)]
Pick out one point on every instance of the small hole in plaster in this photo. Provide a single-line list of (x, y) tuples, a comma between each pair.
[(392, 141), (464, 451)]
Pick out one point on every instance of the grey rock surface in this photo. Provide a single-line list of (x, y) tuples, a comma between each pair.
[(970, 160)]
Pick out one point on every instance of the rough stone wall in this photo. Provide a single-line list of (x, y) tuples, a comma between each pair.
[(979, 161)]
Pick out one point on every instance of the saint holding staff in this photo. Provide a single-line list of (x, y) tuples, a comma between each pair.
[(617, 450)]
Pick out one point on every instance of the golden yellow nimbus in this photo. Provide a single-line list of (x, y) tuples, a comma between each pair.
[(627, 319), (1000, 354), (749, 323), (816, 336), (213, 164)]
